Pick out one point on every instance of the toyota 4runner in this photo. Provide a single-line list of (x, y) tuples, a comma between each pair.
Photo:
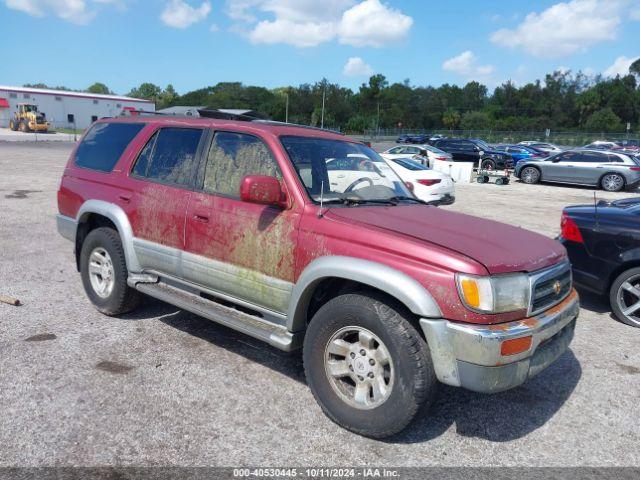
[(307, 239)]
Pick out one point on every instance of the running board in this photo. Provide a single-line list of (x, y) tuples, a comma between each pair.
[(275, 335)]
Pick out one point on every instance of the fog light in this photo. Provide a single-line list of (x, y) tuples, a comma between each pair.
[(515, 346)]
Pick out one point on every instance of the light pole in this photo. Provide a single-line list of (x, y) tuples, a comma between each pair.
[(286, 110), (324, 93)]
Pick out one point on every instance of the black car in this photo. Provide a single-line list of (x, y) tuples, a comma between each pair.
[(603, 242), (412, 138), (464, 150)]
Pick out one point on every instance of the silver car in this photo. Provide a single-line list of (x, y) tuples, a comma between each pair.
[(610, 170)]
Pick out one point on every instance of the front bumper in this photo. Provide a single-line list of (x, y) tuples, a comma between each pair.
[(468, 356)]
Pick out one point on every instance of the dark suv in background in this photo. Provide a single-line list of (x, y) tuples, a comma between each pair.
[(464, 150)]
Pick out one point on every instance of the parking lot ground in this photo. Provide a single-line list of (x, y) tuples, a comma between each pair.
[(164, 387), (8, 135)]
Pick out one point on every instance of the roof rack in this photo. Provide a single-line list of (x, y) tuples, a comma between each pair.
[(220, 114)]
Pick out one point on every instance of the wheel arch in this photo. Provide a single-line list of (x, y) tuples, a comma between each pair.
[(98, 213), (632, 260), (357, 272)]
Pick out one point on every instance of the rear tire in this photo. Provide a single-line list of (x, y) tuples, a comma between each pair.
[(376, 393), (104, 273), (530, 175), (612, 182), (13, 125), (625, 294)]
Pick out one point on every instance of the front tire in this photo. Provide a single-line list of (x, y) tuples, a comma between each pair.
[(530, 175), (612, 182), (104, 273), (624, 296), (366, 365), (488, 165)]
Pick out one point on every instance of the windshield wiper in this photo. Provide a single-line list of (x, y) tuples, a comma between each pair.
[(399, 198), (353, 200)]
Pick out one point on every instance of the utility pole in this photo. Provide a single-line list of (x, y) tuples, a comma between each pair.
[(324, 93), (286, 110), (378, 120)]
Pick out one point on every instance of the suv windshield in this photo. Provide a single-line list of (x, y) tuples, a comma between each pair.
[(343, 171)]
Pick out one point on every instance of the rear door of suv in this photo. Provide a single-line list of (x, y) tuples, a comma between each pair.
[(160, 185), (243, 250)]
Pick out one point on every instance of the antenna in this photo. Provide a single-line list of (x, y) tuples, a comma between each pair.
[(321, 198)]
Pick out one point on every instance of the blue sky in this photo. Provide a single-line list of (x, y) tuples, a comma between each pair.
[(195, 43)]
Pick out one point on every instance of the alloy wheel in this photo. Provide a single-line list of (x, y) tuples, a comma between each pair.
[(628, 299), (359, 367), (612, 182), (101, 272)]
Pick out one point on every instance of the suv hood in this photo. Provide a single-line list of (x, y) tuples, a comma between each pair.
[(499, 247)]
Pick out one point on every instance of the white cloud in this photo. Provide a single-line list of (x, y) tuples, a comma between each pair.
[(74, 11), (308, 23), (620, 66), (466, 65), (564, 28), (179, 14), (357, 67), (297, 34), (370, 23)]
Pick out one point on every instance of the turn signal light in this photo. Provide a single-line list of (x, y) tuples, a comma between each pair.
[(515, 346), (429, 182), (470, 292), (569, 229)]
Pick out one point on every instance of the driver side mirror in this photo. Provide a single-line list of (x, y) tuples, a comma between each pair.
[(262, 189)]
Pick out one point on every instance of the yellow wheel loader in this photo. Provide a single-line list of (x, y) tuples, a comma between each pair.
[(27, 118)]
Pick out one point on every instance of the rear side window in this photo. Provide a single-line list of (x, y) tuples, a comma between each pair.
[(232, 157), (104, 143), (170, 156)]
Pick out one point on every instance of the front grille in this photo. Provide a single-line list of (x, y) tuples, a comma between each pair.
[(550, 289)]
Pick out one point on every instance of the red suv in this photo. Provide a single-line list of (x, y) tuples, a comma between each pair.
[(305, 238)]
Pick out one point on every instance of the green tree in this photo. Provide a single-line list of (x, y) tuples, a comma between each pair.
[(451, 119), (148, 91), (475, 121), (634, 68), (99, 88), (604, 120)]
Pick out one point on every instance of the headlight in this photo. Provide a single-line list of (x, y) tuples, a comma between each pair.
[(494, 294)]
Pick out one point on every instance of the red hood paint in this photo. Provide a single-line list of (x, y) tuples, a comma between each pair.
[(499, 247)]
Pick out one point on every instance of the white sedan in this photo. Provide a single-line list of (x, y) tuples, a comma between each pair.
[(425, 154), (426, 184)]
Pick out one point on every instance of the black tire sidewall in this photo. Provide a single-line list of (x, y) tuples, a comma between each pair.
[(488, 163), (108, 239), (613, 295), (401, 406)]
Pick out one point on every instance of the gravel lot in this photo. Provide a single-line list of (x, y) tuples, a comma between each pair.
[(164, 387)]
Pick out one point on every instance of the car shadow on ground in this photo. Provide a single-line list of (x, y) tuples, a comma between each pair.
[(594, 302), (573, 186), (499, 417)]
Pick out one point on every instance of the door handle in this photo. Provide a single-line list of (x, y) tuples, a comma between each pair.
[(201, 218), (126, 198)]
